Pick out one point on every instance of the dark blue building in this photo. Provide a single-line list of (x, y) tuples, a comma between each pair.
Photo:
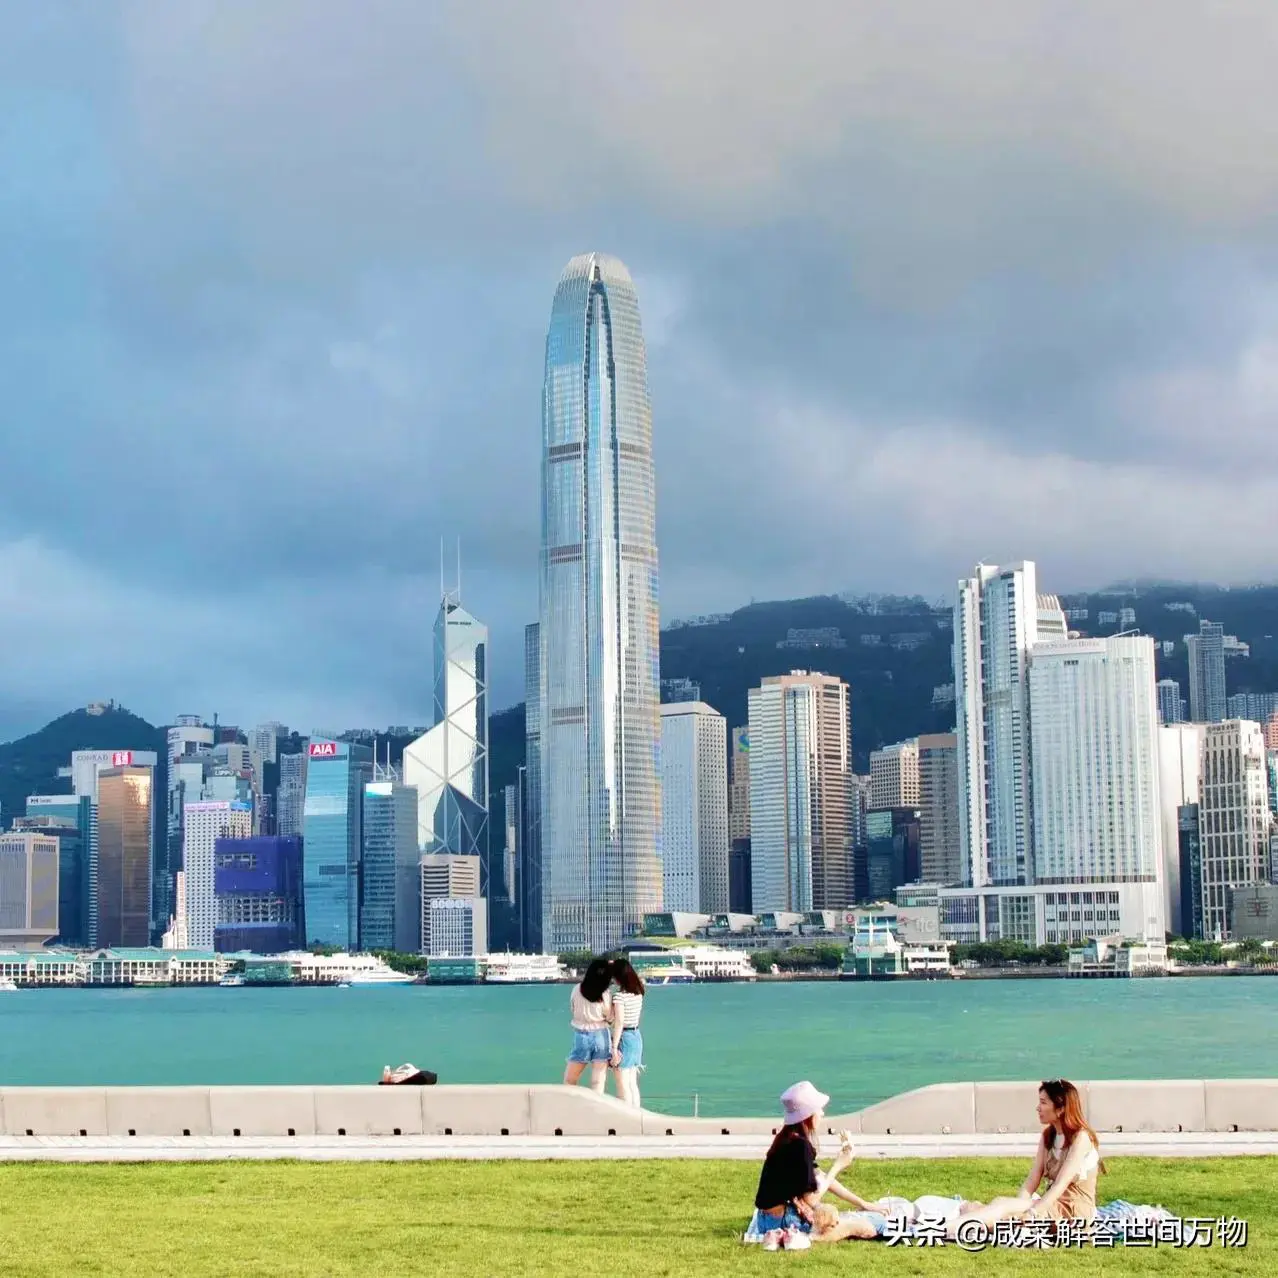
[(257, 884)]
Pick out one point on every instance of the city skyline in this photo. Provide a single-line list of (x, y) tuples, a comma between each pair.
[(993, 340)]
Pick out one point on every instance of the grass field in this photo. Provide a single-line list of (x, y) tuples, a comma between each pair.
[(612, 1219)]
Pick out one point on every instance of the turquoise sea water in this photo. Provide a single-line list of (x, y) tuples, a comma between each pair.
[(736, 1047)]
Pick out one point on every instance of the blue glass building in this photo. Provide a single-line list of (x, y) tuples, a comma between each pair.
[(336, 773), (257, 887), (600, 810), (69, 817), (390, 873)]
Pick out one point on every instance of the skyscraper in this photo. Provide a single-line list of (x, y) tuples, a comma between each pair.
[(1180, 773), (390, 875), (940, 817), (448, 764), (205, 824), (529, 876), (894, 776), (599, 724), (336, 773), (800, 785), (28, 889), (126, 795), (1206, 652), (1094, 722), (1169, 702), (998, 618), (258, 887), (694, 806)]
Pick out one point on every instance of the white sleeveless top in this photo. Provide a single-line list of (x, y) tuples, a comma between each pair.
[(587, 1015)]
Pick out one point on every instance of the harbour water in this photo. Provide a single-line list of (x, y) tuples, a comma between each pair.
[(732, 1047)]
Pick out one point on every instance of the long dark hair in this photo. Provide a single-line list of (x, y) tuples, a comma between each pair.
[(806, 1130), (626, 976), (1070, 1120), (596, 980)]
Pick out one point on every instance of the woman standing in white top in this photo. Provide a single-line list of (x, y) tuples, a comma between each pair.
[(592, 1018), (627, 1041)]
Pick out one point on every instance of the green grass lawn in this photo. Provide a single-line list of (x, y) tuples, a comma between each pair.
[(612, 1219)]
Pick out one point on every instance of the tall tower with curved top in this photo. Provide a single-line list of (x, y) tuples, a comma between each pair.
[(600, 817)]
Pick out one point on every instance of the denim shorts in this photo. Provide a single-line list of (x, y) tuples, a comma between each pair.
[(760, 1224), (589, 1046), (631, 1049)]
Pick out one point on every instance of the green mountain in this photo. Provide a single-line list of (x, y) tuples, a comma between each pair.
[(30, 765)]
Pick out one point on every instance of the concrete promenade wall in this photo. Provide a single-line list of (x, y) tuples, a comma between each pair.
[(1211, 1105)]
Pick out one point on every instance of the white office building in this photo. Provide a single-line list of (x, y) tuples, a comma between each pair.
[(1094, 746), (998, 618), (894, 776), (1234, 817), (800, 787), (445, 878), (694, 807), (203, 824), (28, 890)]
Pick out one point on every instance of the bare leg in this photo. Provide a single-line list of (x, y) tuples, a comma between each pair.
[(995, 1210), (598, 1076), (574, 1072), (630, 1081)]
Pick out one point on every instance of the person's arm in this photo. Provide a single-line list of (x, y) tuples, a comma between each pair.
[(826, 1180), (616, 1033), (840, 1191), (1035, 1177), (1078, 1152)]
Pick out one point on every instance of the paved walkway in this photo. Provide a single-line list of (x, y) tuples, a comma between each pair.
[(109, 1149)]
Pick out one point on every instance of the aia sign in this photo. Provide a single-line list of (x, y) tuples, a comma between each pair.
[(122, 759), (323, 749)]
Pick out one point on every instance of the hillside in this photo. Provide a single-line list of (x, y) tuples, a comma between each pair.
[(30, 764)]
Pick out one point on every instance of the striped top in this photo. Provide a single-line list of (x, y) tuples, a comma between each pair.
[(631, 1006)]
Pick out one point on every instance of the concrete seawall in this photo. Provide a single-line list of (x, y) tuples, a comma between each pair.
[(944, 1110)]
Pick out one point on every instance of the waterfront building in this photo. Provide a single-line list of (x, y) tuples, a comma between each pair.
[(694, 807), (530, 871), (800, 766), (998, 619), (1111, 956), (28, 889), (1234, 818), (457, 926), (1094, 744), (205, 825), (390, 909), (940, 818), (448, 765), (336, 773), (894, 776), (145, 965), (600, 812), (1180, 770), (1170, 703), (452, 878), (121, 888), (259, 898), (1206, 652), (72, 820)]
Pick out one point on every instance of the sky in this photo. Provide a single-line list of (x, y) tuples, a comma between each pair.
[(922, 285)]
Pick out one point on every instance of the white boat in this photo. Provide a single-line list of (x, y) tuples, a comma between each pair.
[(233, 980), (7, 986), (521, 969), (679, 975), (378, 976)]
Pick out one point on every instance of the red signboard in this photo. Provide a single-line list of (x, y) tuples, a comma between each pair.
[(122, 759), (323, 749)]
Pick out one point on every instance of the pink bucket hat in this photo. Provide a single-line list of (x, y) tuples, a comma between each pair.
[(802, 1101)]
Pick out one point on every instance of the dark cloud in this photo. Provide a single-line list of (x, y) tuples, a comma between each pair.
[(917, 291)]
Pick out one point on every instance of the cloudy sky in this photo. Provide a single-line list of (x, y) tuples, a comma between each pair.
[(922, 284)]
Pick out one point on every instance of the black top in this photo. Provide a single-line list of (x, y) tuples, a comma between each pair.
[(789, 1172)]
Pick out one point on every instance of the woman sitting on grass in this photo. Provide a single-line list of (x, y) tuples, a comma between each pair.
[(1068, 1157)]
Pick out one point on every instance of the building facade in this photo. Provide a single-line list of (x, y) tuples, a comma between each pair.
[(694, 807), (894, 776), (800, 766), (72, 821), (125, 831), (1206, 651), (1180, 770), (452, 878), (599, 682), (940, 818), (204, 825), (891, 852), (336, 774), (1234, 818), (998, 618), (1170, 707), (529, 902), (258, 889), (28, 890), (390, 874)]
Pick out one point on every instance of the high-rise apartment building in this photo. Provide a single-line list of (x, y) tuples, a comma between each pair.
[(1234, 818), (204, 824), (599, 720), (290, 797), (454, 911), (1206, 652), (125, 831), (894, 776), (28, 890), (336, 774), (940, 818), (530, 875), (448, 765), (258, 887), (739, 785), (1170, 702), (800, 765), (998, 618), (1180, 770), (694, 807), (390, 876)]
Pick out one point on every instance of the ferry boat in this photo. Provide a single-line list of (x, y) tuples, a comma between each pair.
[(8, 986), (672, 975), (379, 976), (233, 980), (522, 969)]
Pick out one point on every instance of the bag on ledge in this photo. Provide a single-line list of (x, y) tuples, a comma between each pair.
[(408, 1075)]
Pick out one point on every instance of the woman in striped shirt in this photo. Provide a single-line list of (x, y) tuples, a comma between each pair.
[(627, 1041)]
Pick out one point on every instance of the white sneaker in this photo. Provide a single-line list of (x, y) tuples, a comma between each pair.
[(797, 1240), (772, 1240)]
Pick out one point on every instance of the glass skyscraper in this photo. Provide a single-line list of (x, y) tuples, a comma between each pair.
[(390, 904), (600, 810), (336, 774)]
